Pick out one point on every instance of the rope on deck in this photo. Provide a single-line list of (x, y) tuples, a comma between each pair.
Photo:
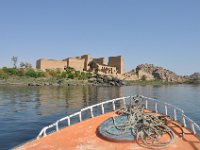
[(149, 130)]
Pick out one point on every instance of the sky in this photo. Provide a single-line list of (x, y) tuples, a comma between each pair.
[(165, 33)]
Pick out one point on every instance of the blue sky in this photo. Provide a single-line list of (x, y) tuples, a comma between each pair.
[(163, 33)]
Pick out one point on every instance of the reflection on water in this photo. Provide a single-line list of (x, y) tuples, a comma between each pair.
[(25, 110), (54, 99), (49, 100)]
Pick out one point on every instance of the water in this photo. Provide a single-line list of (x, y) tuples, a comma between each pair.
[(24, 111)]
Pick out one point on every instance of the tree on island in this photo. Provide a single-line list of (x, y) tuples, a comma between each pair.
[(14, 60), (25, 65), (93, 66)]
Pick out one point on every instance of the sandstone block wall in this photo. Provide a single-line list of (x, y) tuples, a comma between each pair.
[(76, 63), (44, 64), (88, 59), (117, 62)]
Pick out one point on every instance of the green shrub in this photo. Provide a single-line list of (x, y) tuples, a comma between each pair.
[(10, 71), (58, 71), (69, 73), (41, 73), (52, 73), (31, 73), (69, 69), (84, 76), (1, 71), (3, 75), (21, 72), (77, 74), (89, 75), (71, 76), (64, 75)]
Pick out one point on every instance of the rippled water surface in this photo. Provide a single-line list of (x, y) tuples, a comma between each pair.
[(24, 111)]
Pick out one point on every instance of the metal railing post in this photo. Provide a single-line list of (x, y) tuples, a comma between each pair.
[(146, 104), (183, 119), (57, 128), (113, 104), (80, 116), (166, 113), (175, 115), (91, 112), (156, 107), (45, 133), (68, 121), (102, 108), (192, 127)]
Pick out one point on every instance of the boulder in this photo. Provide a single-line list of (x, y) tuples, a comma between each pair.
[(46, 84), (99, 80), (92, 79), (107, 78), (112, 83), (33, 84)]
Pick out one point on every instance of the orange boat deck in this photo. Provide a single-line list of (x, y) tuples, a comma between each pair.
[(82, 136)]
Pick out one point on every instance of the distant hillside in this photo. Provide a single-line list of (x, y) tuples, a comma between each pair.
[(151, 72)]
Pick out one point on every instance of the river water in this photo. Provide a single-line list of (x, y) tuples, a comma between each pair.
[(24, 111)]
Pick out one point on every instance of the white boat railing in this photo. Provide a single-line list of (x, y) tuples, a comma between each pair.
[(184, 120), (152, 104)]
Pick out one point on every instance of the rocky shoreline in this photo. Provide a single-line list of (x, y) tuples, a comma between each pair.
[(106, 80), (144, 74), (103, 81), (98, 80)]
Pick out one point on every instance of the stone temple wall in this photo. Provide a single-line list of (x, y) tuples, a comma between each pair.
[(117, 62), (88, 59), (44, 64), (76, 63)]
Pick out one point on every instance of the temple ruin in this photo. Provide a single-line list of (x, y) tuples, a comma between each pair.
[(115, 64)]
